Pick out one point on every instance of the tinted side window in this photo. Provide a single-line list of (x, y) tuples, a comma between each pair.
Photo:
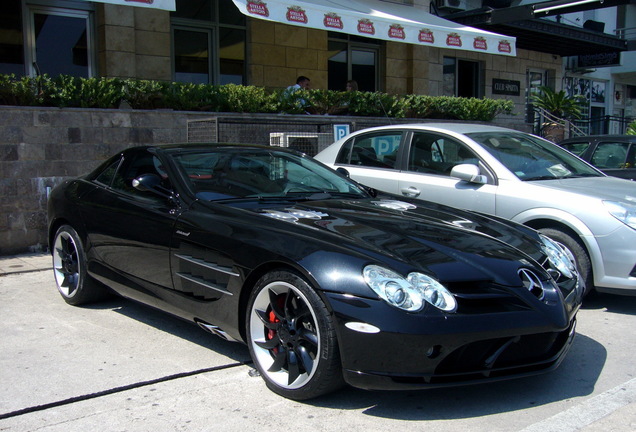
[(576, 148), (610, 155), (377, 150), (107, 175), (435, 154)]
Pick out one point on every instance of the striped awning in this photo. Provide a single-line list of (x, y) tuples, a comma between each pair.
[(156, 4), (379, 20)]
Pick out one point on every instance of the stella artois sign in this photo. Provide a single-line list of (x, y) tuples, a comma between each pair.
[(257, 7), (504, 47), (332, 20), (454, 39), (296, 14), (366, 26), (426, 35), (396, 31), (404, 24), (480, 43)]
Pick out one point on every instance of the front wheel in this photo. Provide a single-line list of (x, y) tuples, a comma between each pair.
[(291, 337), (69, 267), (576, 252)]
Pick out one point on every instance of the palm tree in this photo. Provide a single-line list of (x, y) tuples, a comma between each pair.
[(558, 104)]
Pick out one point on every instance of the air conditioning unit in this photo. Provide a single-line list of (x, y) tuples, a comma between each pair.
[(306, 142), (453, 5)]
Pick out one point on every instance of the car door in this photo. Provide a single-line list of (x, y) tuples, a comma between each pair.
[(372, 158), (427, 174), (130, 230), (615, 158)]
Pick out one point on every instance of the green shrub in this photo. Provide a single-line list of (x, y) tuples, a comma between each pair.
[(631, 128), (376, 104), (67, 91)]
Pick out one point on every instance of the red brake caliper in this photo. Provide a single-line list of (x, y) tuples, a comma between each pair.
[(271, 316)]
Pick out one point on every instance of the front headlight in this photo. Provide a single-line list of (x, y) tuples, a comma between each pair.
[(624, 212), (408, 294), (557, 257)]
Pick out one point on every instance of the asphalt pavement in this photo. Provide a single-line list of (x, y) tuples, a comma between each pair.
[(118, 366)]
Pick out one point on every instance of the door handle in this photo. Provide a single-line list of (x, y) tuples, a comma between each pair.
[(411, 192)]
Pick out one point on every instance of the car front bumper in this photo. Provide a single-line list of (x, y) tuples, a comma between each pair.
[(614, 262), (397, 350)]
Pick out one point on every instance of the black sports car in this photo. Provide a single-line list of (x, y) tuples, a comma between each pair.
[(325, 281)]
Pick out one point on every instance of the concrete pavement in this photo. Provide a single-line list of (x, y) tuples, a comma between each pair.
[(24, 263), (119, 366)]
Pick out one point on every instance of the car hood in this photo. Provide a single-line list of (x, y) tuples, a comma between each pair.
[(605, 188), (420, 236)]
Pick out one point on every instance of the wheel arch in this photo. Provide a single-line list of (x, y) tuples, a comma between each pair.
[(572, 226), (53, 227)]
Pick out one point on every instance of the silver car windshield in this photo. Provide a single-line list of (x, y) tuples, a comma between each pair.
[(532, 158), (226, 173)]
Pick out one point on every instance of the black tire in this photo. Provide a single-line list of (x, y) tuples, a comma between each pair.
[(69, 268), (574, 248), (291, 337)]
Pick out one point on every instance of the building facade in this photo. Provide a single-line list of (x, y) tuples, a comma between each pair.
[(213, 41)]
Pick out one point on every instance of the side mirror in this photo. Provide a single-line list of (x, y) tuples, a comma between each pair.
[(146, 182), (343, 171), (468, 173), (152, 183)]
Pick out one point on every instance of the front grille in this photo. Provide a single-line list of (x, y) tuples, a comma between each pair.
[(484, 297), (502, 356)]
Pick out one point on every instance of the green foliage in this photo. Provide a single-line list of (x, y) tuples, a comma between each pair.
[(246, 99), (631, 128), (559, 104), (376, 104), (67, 91), (23, 91)]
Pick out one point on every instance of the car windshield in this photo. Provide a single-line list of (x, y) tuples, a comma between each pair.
[(230, 173), (532, 158)]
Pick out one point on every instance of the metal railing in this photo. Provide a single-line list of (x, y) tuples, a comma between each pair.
[(557, 129), (627, 33)]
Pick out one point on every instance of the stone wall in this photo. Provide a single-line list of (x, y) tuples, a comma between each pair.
[(40, 147), (133, 42)]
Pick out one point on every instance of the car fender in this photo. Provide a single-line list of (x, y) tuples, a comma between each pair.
[(570, 221)]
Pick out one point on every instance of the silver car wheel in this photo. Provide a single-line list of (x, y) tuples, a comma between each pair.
[(284, 335), (66, 264)]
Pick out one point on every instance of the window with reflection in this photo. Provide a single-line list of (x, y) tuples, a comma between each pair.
[(353, 58), (38, 38), (208, 39)]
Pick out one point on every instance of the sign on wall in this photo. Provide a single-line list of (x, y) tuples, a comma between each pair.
[(506, 87)]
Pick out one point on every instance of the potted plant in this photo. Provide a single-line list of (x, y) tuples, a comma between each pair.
[(560, 109)]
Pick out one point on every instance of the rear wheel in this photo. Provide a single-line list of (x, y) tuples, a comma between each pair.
[(291, 337), (69, 267), (576, 252)]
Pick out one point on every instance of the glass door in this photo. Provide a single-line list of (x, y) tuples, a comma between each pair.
[(536, 79)]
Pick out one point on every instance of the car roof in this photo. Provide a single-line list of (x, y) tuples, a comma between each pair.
[(457, 127), (181, 147), (601, 137)]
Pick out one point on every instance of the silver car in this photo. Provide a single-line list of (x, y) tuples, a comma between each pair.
[(511, 174)]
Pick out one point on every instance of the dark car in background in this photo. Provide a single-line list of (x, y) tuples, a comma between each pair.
[(615, 155), (325, 281)]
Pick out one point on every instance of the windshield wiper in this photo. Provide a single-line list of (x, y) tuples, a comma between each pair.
[(542, 178)]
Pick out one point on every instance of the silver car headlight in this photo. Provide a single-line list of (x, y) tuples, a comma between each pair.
[(408, 294), (557, 257), (624, 212)]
